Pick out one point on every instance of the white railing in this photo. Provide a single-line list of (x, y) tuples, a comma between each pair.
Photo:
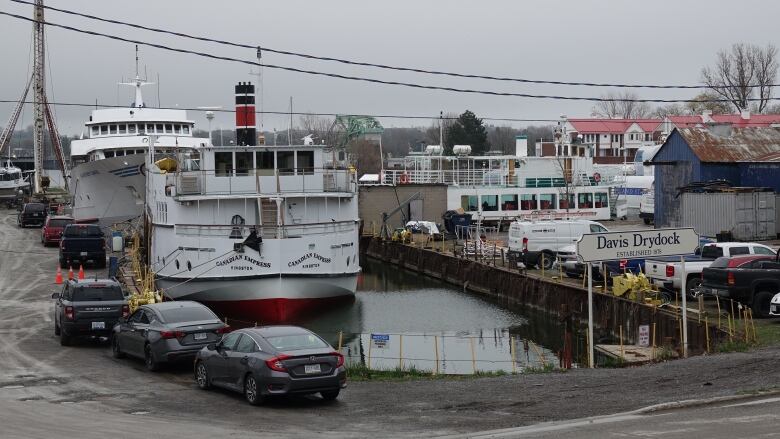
[(495, 178), (264, 181)]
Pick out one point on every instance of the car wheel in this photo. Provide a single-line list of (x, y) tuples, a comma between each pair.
[(693, 284), (149, 360), (252, 390), (330, 395), (65, 339), (116, 351), (56, 329), (202, 376), (546, 261), (760, 305)]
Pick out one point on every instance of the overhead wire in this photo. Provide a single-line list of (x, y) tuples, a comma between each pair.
[(380, 66), (364, 79)]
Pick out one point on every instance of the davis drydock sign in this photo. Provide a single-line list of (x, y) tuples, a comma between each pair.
[(637, 244)]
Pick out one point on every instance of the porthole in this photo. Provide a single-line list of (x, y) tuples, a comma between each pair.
[(189, 266), (347, 260), (177, 264)]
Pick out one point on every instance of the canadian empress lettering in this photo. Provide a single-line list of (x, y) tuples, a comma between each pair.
[(243, 258), (316, 256)]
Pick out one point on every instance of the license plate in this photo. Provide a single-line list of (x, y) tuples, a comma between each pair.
[(98, 325), (312, 368), (200, 336), (83, 253)]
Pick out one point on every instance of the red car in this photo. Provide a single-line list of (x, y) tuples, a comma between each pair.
[(52, 229)]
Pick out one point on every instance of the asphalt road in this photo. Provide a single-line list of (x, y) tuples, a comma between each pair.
[(82, 392)]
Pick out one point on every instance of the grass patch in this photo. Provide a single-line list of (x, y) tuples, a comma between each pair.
[(359, 372), (733, 346), (767, 332)]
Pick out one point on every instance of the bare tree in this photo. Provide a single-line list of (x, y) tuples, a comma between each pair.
[(432, 132), (502, 139), (743, 73), (669, 110), (319, 127), (707, 101), (622, 105)]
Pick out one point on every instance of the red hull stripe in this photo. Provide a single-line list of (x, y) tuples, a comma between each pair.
[(274, 311)]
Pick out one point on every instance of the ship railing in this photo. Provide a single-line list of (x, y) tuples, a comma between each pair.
[(264, 181), (494, 178), (242, 231)]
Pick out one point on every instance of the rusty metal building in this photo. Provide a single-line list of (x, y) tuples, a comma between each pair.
[(747, 157)]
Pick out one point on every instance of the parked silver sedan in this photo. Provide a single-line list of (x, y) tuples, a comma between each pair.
[(272, 360), (165, 332)]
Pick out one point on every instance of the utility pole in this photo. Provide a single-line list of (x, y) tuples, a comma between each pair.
[(441, 130), (39, 82)]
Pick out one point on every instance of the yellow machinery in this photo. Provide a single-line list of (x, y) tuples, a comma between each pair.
[(636, 287), (167, 164), (145, 279)]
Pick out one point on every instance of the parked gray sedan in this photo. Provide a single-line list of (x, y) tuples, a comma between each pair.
[(272, 360), (165, 332)]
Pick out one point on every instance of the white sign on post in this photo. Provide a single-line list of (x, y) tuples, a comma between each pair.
[(631, 244), (644, 335)]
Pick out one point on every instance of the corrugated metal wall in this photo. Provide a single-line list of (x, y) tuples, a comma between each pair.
[(669, 177), (747, 215), (760, 175)]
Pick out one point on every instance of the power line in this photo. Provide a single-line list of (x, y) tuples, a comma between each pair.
[(380, 66), (370, 80), (287, 113)]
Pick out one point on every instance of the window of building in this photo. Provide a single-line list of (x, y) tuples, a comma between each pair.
[(528, 202), (131, 128), (169, 128), (286, 162), (305, 162), (547, 201), (159, 128), (489, 203), (585, 200), (265, 160), (469, 203), (243, 162), (602, 200), (223, 164), (647, 137), (568, 202), (509, 202)]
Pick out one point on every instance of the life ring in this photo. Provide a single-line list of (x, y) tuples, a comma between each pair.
[(404, 179), (597, 177)]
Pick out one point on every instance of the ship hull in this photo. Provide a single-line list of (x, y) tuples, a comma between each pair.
[(109, 191), (264, 300)]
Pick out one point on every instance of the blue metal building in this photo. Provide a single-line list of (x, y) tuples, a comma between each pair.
[(747, 157)]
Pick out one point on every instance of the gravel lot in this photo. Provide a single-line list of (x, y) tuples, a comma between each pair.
[(82, 392)]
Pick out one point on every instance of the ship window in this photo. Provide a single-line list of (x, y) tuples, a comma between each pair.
[(585, 200), (177, 129), (95, 131), (185, 129), (112, 129), (109, 154), (568, 203), (159, 128), (469, 203), (139, 151), (509, 202), (305, 162), (601, 200), (286, 162), (223, 164), (168, 128), (489, 203), (243, 163), (149, 128), (131, 128), (265, 160), (122, 129), (104, 129), (528, 202), (547, 201)]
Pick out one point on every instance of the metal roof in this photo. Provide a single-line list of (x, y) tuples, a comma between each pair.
[(725, 144)]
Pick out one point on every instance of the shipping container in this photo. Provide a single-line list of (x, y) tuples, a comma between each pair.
[(747, 215)]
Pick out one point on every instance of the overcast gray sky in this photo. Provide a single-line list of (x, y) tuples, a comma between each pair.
[(656, 41)]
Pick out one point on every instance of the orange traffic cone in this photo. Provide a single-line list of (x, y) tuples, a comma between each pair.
[(81, 272), (58, 276), (70, 273)]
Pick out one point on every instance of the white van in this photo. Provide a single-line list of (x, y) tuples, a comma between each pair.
[(529, 240)]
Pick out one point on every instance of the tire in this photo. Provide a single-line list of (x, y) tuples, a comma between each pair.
[(116, 352), (202, 376), (760, 305), (330, 395), (692, 284), (151, 363), (548, 260), (252, 390), (65, 339)]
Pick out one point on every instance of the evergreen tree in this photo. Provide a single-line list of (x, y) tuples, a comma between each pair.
[(467, 130)]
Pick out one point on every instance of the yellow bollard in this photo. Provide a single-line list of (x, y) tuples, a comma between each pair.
[(401, 351), (368, 365), (473, 356), (717, 301), (513, 354), (436, 351), (538, 353), (622, 351), (341, 339), (753, 325)]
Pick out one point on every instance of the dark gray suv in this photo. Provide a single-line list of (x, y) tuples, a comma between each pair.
[(88, 307)]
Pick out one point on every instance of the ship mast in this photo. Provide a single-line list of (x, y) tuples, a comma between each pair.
[(39, 82)]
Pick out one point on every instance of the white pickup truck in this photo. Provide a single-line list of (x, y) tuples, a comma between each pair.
[(666, 272)]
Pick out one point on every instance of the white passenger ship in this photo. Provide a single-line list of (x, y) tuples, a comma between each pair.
[(107, 176), (264, 232), (11, 181), (505, 187)]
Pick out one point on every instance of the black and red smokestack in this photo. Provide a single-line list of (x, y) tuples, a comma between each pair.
[(246, 132)]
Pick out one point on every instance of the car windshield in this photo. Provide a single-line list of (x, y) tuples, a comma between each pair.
[(60, 222), (296, 342), (35, 208), (95, 294), (83, 231), (188, 314)]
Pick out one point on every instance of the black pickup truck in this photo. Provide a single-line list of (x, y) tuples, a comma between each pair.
[(81, 243), (88, 308), (750, 279)]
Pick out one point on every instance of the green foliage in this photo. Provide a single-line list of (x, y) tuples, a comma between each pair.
[(468, 129)]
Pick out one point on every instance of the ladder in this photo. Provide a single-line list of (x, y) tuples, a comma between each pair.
[(5, 137)]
